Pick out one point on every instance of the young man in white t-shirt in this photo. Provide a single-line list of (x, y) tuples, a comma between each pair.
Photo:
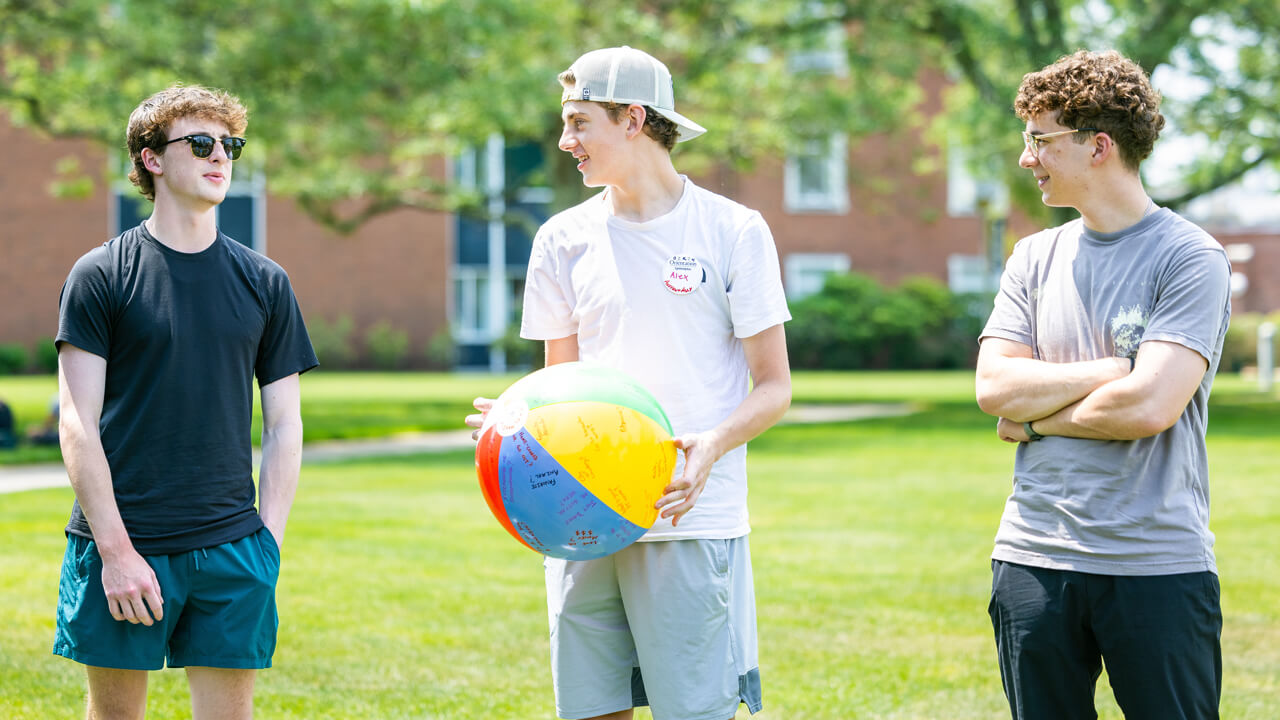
[(680, 288)]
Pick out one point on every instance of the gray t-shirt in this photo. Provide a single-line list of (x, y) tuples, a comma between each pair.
[(1137, 507)]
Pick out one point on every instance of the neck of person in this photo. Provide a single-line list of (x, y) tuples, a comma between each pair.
[(182, 227), (651, 188), (1115, 205)]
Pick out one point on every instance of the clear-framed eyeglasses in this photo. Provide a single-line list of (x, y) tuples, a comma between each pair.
[(1035, 142)]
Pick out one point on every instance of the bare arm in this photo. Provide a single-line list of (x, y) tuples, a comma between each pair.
[(129, 582), (1145, 403), (768, 400), (562, 350), (281, 453), (1012, 384)]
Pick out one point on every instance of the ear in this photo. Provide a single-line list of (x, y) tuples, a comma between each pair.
[(636, 115), (1103, 148), (151, 161)]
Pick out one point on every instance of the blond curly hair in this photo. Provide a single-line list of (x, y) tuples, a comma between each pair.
[(149, 123), (1101, 90)]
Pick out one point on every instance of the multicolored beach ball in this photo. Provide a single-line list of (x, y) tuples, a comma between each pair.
[(572, 458)]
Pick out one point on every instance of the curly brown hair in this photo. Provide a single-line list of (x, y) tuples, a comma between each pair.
[(149, 123), (665, 132), (1101, 90)]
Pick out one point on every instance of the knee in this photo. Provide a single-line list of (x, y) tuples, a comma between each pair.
[(115, 707)]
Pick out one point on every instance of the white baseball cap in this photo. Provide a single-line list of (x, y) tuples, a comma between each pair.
[(628, 76)]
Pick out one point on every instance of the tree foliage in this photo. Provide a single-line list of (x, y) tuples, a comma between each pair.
[(354, 102), (1216, 61)]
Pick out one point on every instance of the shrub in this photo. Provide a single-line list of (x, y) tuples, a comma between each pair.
[(440, 351), (388, 347), (332, 341), (1240, 347), (520, 353), (13, 359), (855, 323), (46, 356)]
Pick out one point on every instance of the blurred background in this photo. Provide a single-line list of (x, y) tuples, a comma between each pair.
[(401, 154)]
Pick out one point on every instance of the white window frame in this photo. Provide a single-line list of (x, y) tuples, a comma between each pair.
[(467, 326), (833, 197), (968, 273), (801, 269), (831, 57)]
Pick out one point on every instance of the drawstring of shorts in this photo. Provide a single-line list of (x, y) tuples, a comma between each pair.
[(197, 555)]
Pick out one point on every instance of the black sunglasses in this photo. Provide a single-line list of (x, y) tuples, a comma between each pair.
[(202, 145)]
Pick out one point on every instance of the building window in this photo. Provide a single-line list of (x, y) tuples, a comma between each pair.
[(828, 53), (816, 176), (968, 194), (471, 303), (806, 273), (494, 244), (970, 274)]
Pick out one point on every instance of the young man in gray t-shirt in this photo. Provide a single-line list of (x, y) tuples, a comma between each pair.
[(1098, 359)]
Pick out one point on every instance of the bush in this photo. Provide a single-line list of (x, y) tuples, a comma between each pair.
[(1240, 347), (855, 323), (388, 347), (332, 341), (520, 353), (13, 359), (440, 351), (46, 356)]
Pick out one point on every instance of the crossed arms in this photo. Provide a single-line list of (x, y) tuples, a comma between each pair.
[(1097, 399)]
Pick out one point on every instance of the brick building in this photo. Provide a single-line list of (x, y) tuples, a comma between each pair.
[(429, 274)]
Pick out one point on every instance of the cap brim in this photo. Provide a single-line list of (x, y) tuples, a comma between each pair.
[(688, 129)]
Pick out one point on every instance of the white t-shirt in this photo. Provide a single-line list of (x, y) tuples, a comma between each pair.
[(666, 301)]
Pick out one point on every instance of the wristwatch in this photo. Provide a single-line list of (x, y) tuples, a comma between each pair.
[(1032, 435)]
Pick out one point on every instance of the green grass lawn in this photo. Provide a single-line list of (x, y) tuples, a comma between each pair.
[(401, 596)]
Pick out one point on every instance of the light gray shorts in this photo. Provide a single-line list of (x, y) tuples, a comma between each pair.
[(669, 624)]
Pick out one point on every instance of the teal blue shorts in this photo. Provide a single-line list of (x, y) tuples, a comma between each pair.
[(219, 609)]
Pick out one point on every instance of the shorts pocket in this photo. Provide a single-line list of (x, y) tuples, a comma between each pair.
[(720, 556), (86, 552), (270, 549)]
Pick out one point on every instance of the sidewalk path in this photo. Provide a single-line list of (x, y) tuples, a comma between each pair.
[(16, 478)]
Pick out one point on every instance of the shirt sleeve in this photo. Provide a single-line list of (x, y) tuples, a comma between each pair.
[(85, 306), (547, 313), (285, 347), (1193, 303), (756, 298), (1011, 317)]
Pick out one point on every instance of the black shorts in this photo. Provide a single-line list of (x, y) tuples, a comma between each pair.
[(1159, 635)]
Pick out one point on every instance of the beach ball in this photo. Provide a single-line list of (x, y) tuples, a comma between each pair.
[(572, 458)]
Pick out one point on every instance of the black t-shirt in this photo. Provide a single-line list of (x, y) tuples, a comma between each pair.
[(184, 335)]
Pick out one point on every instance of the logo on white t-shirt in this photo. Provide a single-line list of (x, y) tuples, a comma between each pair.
[(682, 274)]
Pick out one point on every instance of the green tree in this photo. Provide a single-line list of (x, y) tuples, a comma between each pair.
[(353, 103), (1221, 61)]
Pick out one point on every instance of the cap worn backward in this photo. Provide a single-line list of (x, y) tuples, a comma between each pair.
[(628, 76)]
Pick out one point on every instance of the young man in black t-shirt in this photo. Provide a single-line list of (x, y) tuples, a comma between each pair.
[(161, 334)]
